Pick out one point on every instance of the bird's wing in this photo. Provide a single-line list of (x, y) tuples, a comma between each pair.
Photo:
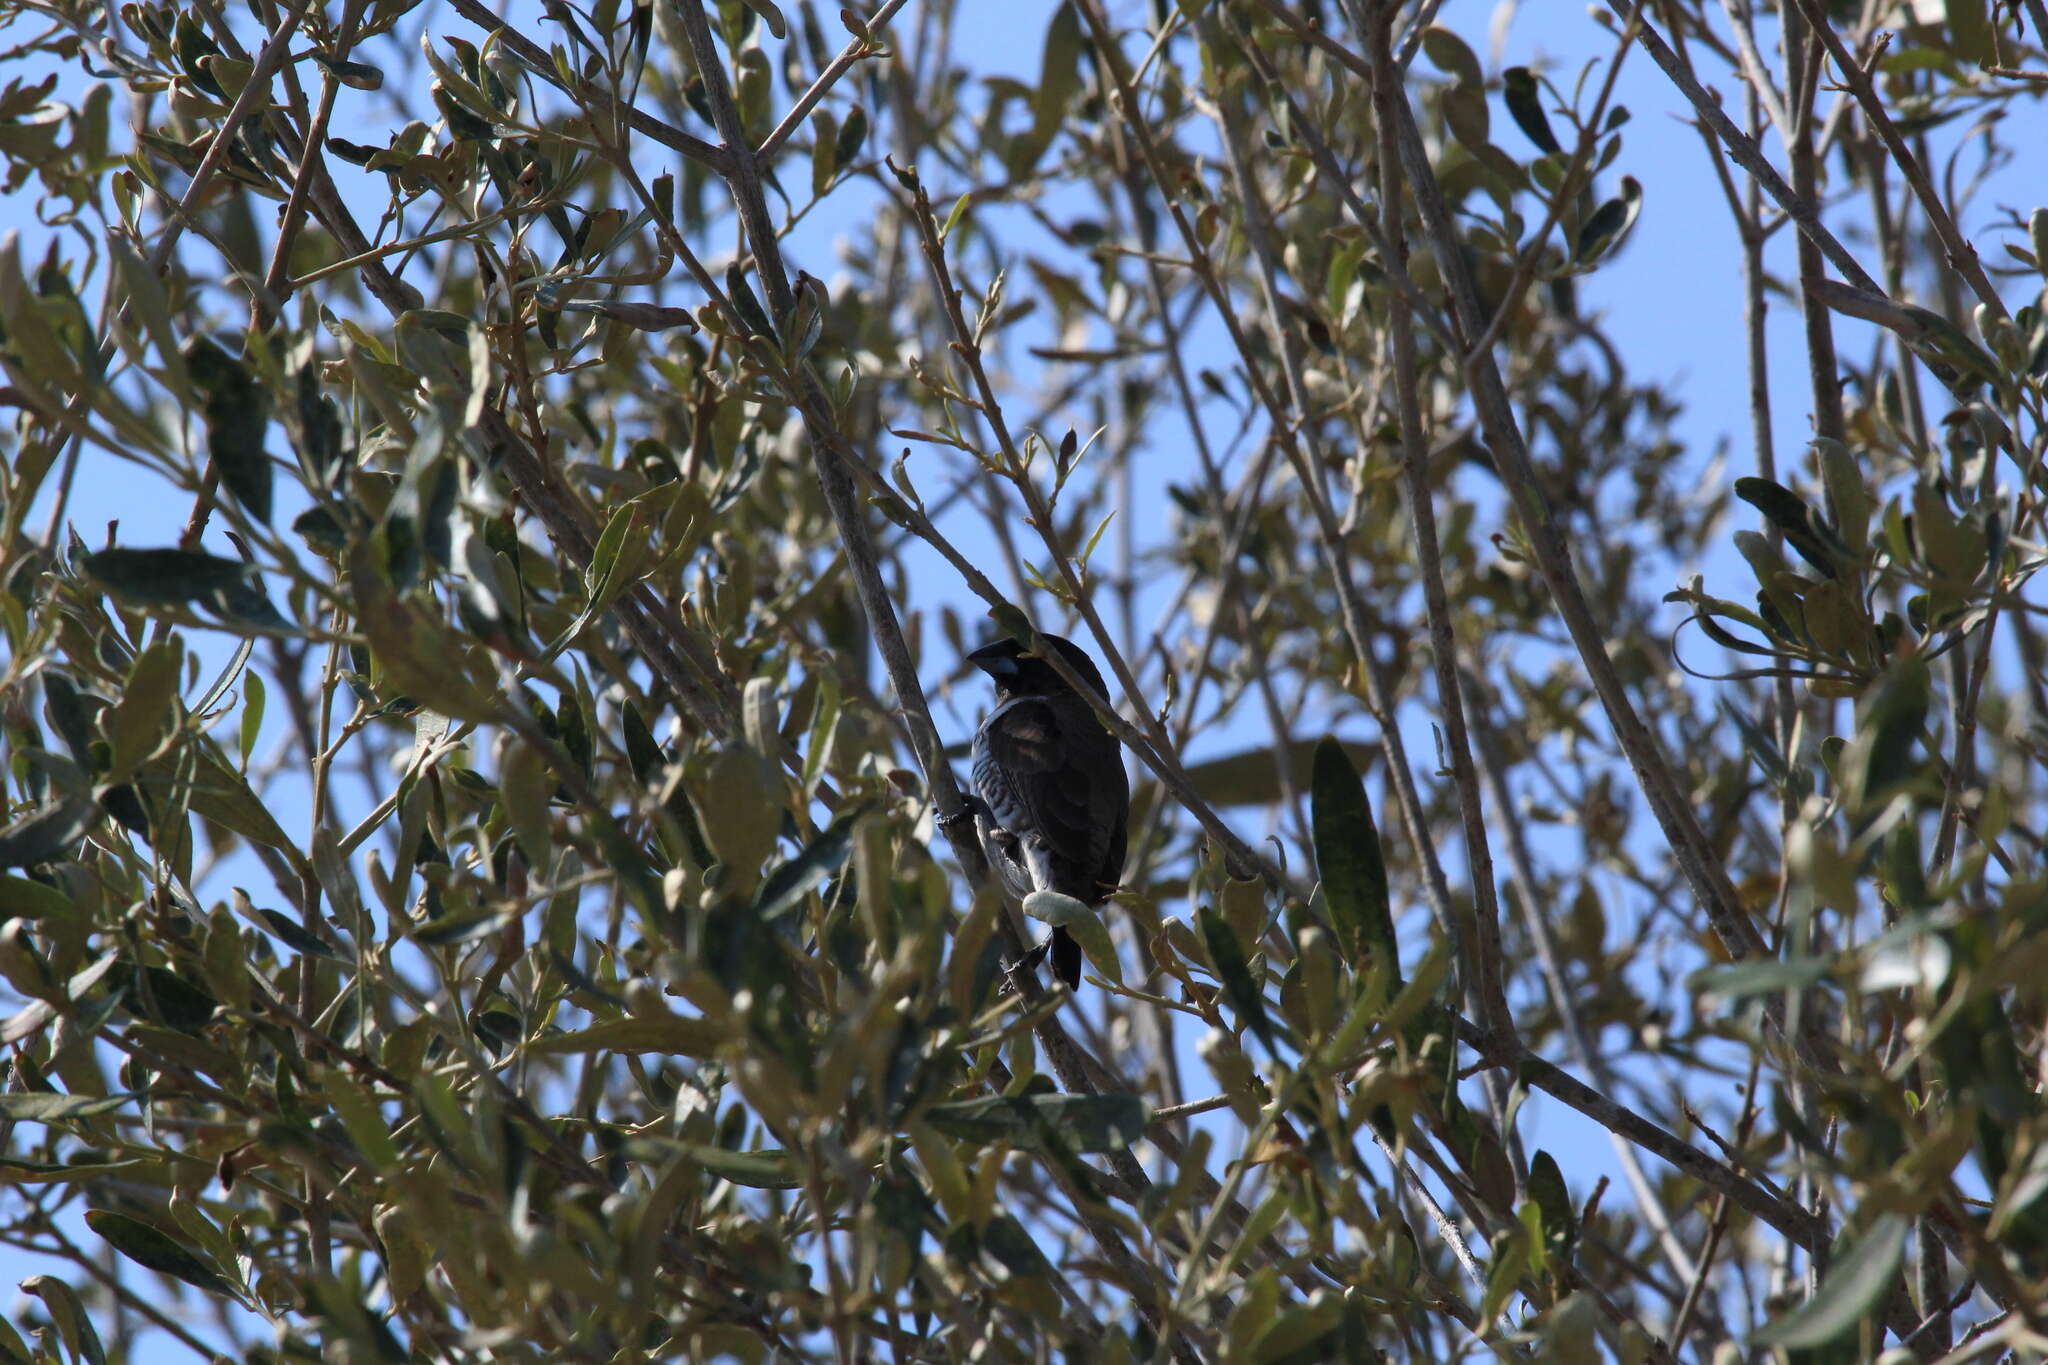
[(1045, 770)]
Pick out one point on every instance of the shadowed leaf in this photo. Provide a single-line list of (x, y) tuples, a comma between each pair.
[(1348, 855), (147, 1246)]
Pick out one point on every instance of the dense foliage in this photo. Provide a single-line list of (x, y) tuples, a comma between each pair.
[(474, 893)]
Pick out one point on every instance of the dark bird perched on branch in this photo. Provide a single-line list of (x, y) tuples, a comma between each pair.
[(1053, 783)]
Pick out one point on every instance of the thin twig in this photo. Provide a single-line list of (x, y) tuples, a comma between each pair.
[(254, 93), (849, 55)]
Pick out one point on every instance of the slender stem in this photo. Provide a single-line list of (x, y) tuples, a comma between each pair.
[(251, 98), (1746, 154), (1288, 437), (1488, 983), (1824, 374), (1962, 257), (1562, 998), (1445, 1227), (536, 59), (848, 57), (1696, 856)]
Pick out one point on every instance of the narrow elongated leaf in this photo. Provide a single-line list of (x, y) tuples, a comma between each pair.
[(61, 1172), (783, 889), (1251, 777), (1740, 980), (1451, 55), (43, 833), (850, 138), (1553, 1198), (824, 158), (135, 723), (1880, 755), (1607, 225), (150, 1247), (1064, 912), (768, 1169), (1059, 80), (1859, 1273), (1795, 520), (1084, 1123), (1525, 106), (1349, 858), (25, 899), (67, 1311), (237, 409), (48, 1108), (162, 578), (1235, 973), (687, 1037)]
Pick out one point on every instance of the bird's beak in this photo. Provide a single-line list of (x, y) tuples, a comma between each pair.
[(997, 660)]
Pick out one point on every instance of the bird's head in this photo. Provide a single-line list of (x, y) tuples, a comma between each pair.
[(1018, 673)]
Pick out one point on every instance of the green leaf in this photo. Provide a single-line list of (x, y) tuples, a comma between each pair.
[(1349, 857), (1504, 1275), (420, 658), (1553, 1198), (67, 1311), (1234, 972), (524, 782), (47, 831), (824, 150), (771, 16), (160, 994), (1251, 777), (1064, 912), (21, 898), (293, 936), (642, 752), (1848, 492), (43, 1107), (135, 723), (1525, 106), (1451, 55), (252, 716), (449, 930), (851, 137), (354, 75), (1301, 1331), (217, 792), (1802, 529), (163, 578), (1971, 30), (1607, 225), (1879, 758), (674, 1033), (237, 409), (783, 889), (1740, 980), (1059, 81), (149, 1247), (824, 728), (747, 309), (1859, 1274), (768, 1169), (14, 1172), (1083, 1123), (955, 214)]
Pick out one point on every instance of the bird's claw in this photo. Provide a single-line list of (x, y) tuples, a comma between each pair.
[(970, 808)]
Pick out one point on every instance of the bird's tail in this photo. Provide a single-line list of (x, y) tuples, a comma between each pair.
[(1065, 952)]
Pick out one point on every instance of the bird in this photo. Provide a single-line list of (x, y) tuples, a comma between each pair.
[(1052, 782)]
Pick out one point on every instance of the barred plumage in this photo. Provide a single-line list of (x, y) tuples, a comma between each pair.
[(1053, 780)]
